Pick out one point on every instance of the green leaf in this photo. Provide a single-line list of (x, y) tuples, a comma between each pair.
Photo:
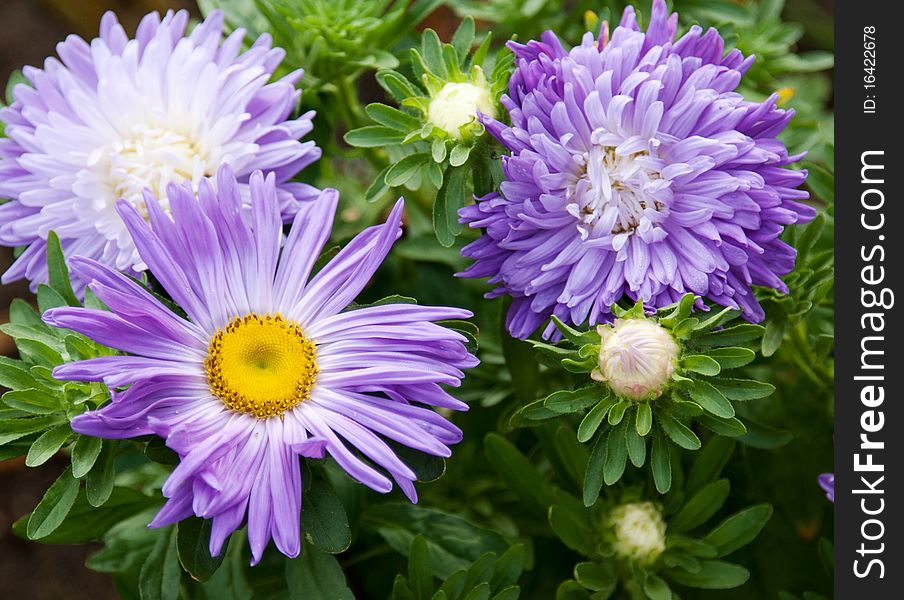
[(373, 136), (400, 173), (731, 427), (229, 582), (464, 37), (644, 420), (84, 523), (392, 117), (713, 575), (47, 445), (449, 199), (656, 588), (193, 547), (51, 511), (396, 85), (774, 335), (84, 454), (617, 413), (764, 437), (518, 471), (49, 298), (13, 375), (596, 577), (730, 358), (711, 399), (508, 568), (160, 574), (616, 454), (14, 429), (420, 573), (739, 529), (569, 401), (702, 505), (58, 273), (742, 389), (678, 432), (323, 518), (453, 541), (593, 477), (316, 574), (701, 363), (99, 483), (571, 527), (637, 446), (661, 463), (459, 155), (731, 336), (33, 401), (709, 463), (593, 419), (432, 52)]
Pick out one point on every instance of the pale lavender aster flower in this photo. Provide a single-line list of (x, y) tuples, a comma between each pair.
[(827, 483), (634, 169), (114, 116), (268, 365)]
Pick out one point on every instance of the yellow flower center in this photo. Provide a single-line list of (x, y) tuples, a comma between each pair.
[(261, 365)]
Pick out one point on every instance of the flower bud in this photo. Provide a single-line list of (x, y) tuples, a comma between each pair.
[(639, 532), (457, 104), (637, 358)]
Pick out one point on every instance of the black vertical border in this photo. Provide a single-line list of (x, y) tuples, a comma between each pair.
[(857, 132)]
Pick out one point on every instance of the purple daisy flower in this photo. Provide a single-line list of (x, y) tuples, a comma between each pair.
[(634, 169), (268, 366), (827, 483), (114, 116)]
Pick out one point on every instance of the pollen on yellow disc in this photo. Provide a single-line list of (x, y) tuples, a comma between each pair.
[(261, 365)]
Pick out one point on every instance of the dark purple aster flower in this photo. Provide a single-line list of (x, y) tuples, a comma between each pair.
[(115, 116), (634, 169), (269, 365), (827, 483)]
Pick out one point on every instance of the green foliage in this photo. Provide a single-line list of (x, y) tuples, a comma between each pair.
[(622, 428), (423, 153), (524, 507)]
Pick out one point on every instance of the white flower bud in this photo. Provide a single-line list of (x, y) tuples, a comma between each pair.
[(456, 104), (637, 358), (639, 531)]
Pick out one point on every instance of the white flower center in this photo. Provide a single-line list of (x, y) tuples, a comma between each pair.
[(639, 531), (618, 193), (150, 158), (637, 358), (456, 104)]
